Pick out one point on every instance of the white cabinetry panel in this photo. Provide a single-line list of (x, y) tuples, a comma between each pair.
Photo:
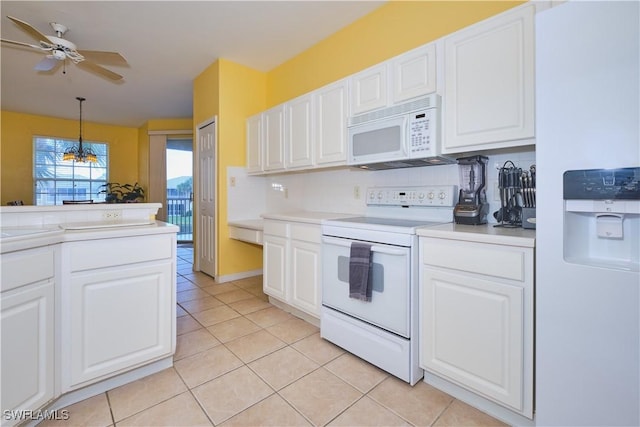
[(369, 89), (331, 123), (254, 144), (274, 139), (299, 132), (414, 73), (489, 83)]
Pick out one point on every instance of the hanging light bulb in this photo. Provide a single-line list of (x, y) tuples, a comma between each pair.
[(79, 153)]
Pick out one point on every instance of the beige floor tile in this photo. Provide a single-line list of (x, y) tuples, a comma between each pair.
[(93, 411), (226, 396), (233, 296), (283, 367), (461, 414), (357, 372), (271, 412), (320, 396), (189, 295), (139, 395), (194, 342), (186, 324), (249, 305), (215, 315), (366, 412), (269, 316), (292, 330), (248, 282), (200, 279), (220, 288), (420, 405), (255, 345), (318, 349), (201, 304), (180, 311), (232, 329), (186, 285), (182, 410), (207, 365), (253, 288)]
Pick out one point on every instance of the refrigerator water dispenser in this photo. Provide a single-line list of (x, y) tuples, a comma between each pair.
[(602, 218)]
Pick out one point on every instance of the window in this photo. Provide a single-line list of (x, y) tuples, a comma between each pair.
[(57, 180)]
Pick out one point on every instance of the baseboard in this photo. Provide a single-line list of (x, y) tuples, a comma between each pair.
[(238, 276)]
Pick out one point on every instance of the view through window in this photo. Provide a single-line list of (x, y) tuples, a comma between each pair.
[(180, 186), (57, 180)]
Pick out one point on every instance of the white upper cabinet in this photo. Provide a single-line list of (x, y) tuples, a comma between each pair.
[(414, 73), (254, 144), (397, 80), (331, 114), (299, 135), (489, 83), (273, 134), (369, 89)]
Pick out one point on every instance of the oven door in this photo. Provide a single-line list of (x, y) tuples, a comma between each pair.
[(389, 307)]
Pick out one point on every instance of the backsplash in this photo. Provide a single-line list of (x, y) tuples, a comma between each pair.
[(344, 189)]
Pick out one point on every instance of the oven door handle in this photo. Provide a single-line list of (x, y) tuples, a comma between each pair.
[(374, 248)]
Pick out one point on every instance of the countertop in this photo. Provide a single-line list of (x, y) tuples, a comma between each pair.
[(252, 224), (306, 216), (486, 233)]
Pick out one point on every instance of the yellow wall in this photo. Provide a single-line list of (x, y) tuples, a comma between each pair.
[(16, 147), (231, 92), (390, 30)]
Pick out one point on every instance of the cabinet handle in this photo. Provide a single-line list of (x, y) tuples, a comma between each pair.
[(379, 249)]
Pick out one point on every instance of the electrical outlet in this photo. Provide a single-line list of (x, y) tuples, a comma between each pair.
[(356, 192), (112, 215), (232, 181)]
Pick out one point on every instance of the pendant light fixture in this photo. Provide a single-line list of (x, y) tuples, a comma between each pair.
[(79, 153)]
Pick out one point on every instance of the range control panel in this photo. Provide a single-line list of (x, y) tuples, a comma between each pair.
[(439, 195)]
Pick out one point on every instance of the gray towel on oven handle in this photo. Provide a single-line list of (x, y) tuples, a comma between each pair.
[(359, 265)]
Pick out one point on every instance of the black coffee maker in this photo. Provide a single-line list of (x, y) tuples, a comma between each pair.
[(472, 207)]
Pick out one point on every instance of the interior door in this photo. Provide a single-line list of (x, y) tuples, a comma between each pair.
[(206, 196)]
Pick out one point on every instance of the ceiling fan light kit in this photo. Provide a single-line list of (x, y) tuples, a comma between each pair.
[(61, 49)]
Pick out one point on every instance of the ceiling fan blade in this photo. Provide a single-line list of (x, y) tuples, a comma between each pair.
[(102, 57), (90, 66), (47, 64), (37, 35), (21, 44)]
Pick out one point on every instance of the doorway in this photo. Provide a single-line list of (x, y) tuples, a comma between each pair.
[(206, 197), (179, 157)]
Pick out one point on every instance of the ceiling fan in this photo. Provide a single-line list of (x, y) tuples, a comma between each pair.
[(60, 49)]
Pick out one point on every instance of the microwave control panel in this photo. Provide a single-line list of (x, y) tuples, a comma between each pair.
[(421, 133)]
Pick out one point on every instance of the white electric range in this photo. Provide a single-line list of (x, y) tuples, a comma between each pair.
[(383, 331)]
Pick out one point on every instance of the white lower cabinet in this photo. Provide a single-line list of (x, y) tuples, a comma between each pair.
[(476, 319), (118, 310), (28, 330), (292, 264)]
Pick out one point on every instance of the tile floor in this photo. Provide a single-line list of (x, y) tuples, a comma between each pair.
[(242, 362)]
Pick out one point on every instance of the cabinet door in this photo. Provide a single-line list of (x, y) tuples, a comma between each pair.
[(414, 73), (119, 318), (489, 83), (273, 134), (299, 135), (27, 347), (274, 266), (472, 333), (369, 89), (254, 144), (331, 123), (305, 276)]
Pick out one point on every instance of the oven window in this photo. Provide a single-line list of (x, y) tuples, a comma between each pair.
[(376, 274)]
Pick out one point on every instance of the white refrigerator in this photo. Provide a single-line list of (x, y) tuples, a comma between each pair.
[(587, 279)]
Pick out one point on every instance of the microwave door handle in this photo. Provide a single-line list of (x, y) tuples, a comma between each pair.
[(374, 248)]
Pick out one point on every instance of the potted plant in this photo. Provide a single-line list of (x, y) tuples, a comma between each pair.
[(122, 193)]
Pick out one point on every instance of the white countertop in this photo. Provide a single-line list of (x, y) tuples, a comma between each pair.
[(486, 233), (252, 224), (306, 216)]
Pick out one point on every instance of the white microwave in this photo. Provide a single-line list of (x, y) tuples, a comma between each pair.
[(405, 135)]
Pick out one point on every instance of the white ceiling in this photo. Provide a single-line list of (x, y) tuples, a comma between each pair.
[(166, 43)]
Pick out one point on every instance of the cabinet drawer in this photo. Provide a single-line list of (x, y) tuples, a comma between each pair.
[(507, 262), (276, 228), (246, 234), (115, 252), (306, 233), (28, 266)]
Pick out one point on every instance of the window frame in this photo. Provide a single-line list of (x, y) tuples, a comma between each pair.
[(76, 180)]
